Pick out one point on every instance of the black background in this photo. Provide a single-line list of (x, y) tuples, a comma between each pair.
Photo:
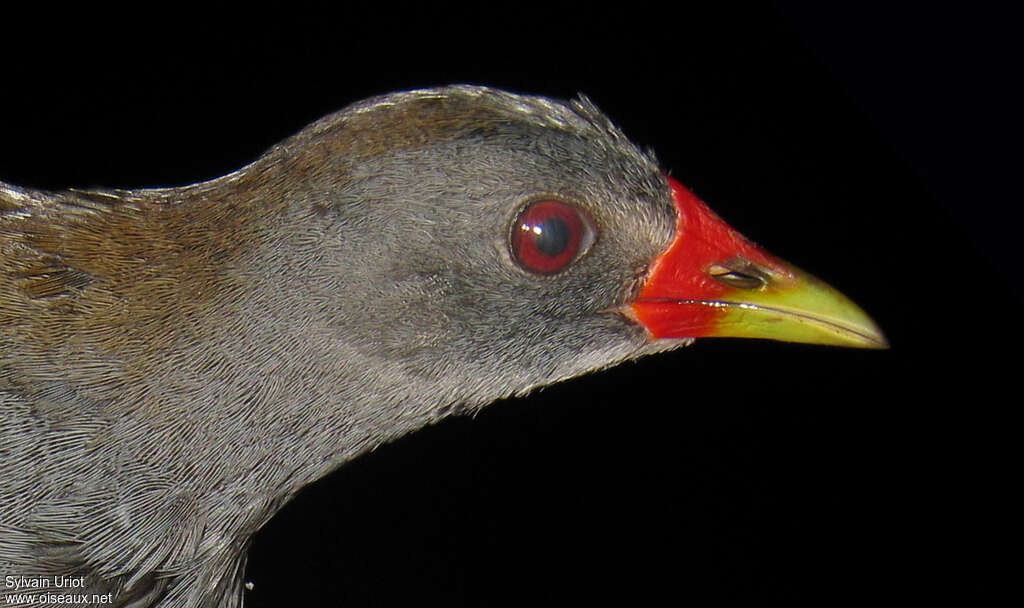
[(873, 148)]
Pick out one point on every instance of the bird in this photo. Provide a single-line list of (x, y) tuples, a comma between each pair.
[(177, 363)]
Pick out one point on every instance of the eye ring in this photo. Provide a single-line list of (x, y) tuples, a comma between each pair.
[(548, 235)]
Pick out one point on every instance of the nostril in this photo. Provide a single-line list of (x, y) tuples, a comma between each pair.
[(739, 274), (738, 280)]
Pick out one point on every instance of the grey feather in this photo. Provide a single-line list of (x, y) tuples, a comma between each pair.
[(177, 363)]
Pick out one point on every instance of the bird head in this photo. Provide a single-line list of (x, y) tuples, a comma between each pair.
[(492, 243)]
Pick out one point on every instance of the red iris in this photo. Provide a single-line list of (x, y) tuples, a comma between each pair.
[(546, 236)]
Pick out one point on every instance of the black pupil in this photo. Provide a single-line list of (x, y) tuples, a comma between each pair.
[(553, 238)]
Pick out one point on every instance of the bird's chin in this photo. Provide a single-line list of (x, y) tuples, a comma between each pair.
[(659, 345)]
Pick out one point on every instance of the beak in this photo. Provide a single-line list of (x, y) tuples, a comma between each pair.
[(712, 282)]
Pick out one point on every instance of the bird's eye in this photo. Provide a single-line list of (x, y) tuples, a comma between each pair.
[(549, 235)]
